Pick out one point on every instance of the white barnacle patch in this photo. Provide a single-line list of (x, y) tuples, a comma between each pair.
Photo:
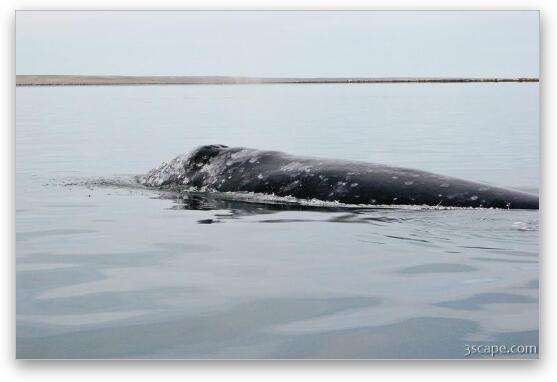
[(294, 167), (373, 201), (474, 197), (291, 186), (186, 180), (253, 159), (439, 195), (354, 185), (260, 176), (408, 183), (241, 154), (394, 177), (167, 172), (444, 185), (395, 199)]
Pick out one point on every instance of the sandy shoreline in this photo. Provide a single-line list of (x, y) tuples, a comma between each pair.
[(67, 80)]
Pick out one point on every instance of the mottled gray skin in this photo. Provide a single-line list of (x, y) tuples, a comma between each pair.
[(222, 168)]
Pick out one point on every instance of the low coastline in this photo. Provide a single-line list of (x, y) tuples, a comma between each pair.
[(69, 80)]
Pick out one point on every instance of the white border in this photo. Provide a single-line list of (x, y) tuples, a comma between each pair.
[(59, 371)]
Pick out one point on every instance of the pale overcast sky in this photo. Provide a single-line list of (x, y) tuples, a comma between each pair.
[(281, 44)]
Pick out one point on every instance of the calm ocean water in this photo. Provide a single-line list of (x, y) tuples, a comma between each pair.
[(106, 269)]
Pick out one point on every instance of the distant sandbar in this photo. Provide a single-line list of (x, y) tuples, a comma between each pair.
[(67, 80)]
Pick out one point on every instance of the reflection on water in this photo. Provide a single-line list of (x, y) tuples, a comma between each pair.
[(109, 269)]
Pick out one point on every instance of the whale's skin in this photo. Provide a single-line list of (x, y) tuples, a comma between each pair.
[(238, 169)]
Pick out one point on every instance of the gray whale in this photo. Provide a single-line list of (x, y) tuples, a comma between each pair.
[(224, 169)]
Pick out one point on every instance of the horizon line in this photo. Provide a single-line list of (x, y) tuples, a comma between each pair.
[(70, 79)]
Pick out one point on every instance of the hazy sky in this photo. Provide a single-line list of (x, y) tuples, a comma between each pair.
[(301, 44)]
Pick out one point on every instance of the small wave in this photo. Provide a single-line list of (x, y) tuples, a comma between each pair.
[(407, 238), (117, 181), (525, 226)]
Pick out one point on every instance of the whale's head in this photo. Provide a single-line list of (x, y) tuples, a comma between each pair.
[(202, 155), (184, 169)]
